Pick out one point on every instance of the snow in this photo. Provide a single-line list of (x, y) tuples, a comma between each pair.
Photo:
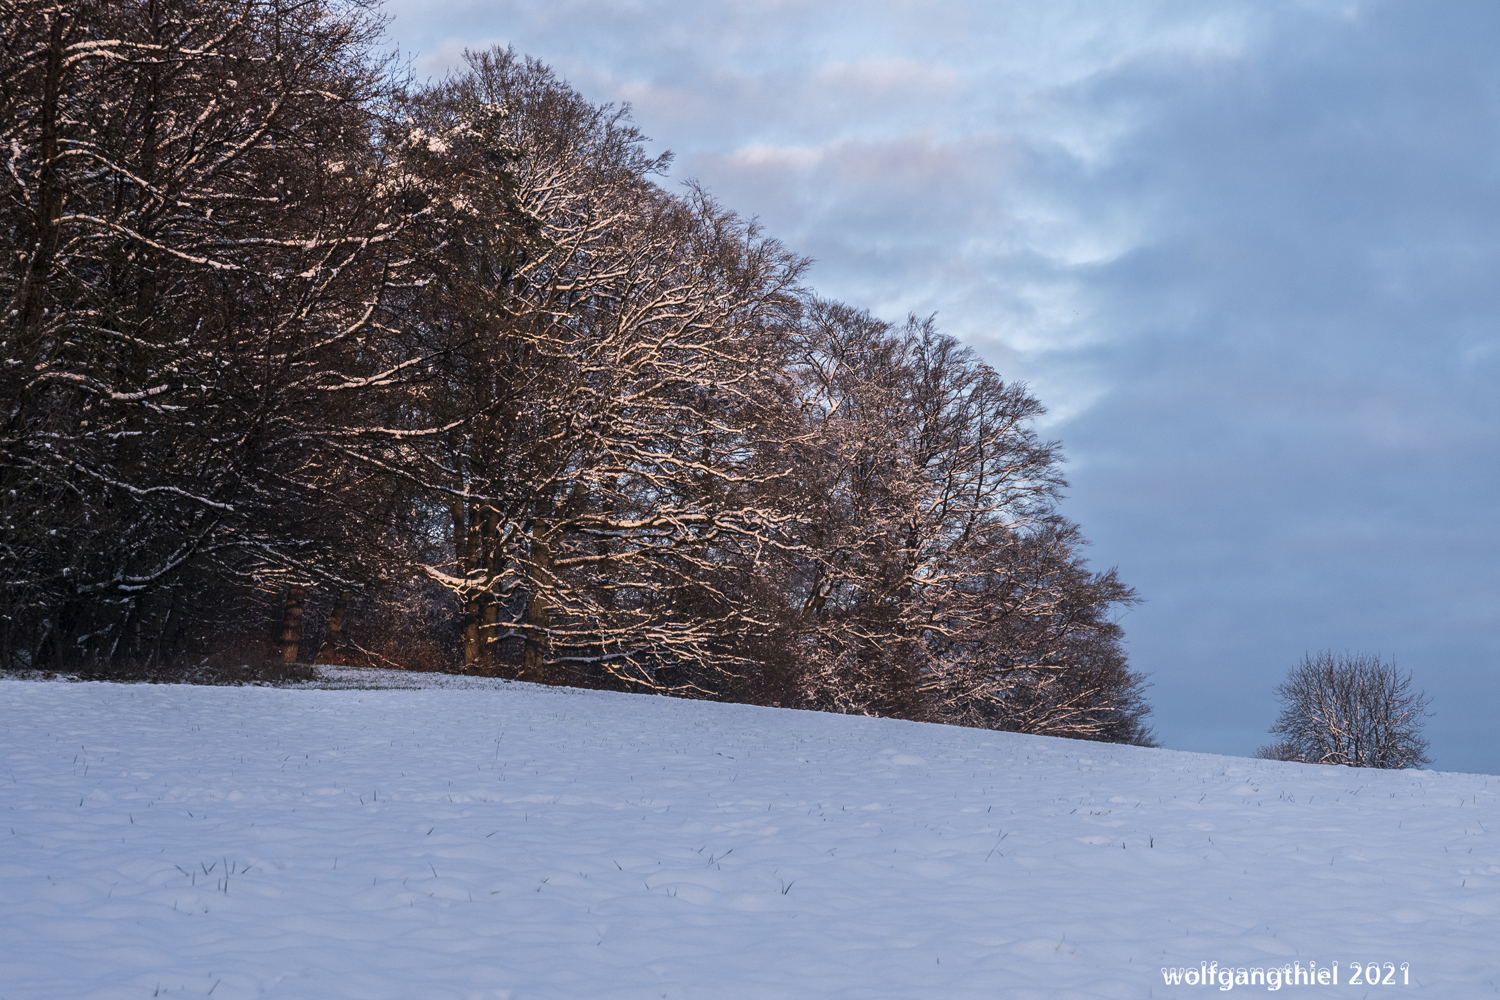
[(509, 841)]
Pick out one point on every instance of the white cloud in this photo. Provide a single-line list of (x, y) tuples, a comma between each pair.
[(882, 77)]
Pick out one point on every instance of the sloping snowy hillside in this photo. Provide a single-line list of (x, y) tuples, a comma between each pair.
[(513, 841)]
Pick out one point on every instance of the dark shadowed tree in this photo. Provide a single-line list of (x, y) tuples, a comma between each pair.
[(201, 248)]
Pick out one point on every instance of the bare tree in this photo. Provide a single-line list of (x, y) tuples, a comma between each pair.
[(1349, 709), (200, 253), (1048, 655), (585, 438), (933, 577)]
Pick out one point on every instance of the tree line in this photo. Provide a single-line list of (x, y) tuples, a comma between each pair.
[(445, 368)]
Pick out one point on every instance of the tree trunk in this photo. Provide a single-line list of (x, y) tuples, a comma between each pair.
[(481, 622), (49, 195), (488, 628), (291, 624), (127, 644), (538, 618), (335, 627), (161, 636), (471, 634)]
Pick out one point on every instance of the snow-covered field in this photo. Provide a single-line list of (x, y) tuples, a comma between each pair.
[(512, 841)]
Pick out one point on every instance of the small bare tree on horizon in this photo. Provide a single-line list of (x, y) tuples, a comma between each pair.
[(1349, 709)]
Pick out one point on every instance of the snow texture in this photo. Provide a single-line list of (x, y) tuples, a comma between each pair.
[(515, 841)]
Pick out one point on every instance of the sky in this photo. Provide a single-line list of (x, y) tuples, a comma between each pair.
[(1246, 253)]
